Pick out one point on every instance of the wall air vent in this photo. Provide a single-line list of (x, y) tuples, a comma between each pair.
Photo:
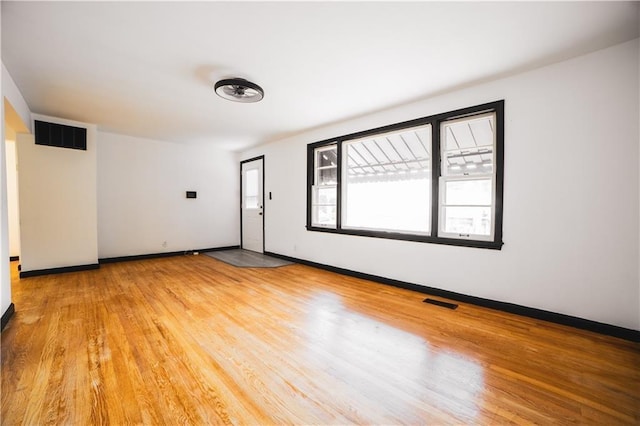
[(60, 135)]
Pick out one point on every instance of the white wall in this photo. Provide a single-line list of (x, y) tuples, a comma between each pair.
[(571, 195), (58, 213), (141, 196), (12, 198)]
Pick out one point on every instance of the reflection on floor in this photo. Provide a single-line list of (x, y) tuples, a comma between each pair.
[(247, 259), (191, 340)]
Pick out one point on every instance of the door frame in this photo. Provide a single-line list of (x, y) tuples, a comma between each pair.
[(264, 210)]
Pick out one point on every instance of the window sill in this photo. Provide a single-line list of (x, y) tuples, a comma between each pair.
[(492, 245)]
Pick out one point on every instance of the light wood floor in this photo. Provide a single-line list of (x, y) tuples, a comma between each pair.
[(191, 340)]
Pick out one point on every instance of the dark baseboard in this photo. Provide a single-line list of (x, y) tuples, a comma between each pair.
[(63, 270), (13, 258), (576, 322), (7, 316), (165, 254), (219, 249)]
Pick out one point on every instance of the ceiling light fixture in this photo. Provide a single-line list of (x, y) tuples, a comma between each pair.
[(239, 90)]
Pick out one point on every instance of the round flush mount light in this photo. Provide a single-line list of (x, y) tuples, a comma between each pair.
[(239, 90)]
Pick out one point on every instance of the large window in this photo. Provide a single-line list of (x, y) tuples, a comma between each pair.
[(386, 184), (435, 179)]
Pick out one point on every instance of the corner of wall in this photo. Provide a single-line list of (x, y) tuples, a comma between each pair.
[(638, 74), (62, 183), (11, 93), (5, 276)]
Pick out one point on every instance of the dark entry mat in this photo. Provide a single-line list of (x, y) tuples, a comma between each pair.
[(247, 259)]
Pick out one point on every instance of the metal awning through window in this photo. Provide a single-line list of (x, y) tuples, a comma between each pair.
[(397, 154), (468, 144)]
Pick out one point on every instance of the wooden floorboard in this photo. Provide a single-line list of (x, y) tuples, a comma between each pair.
[(192, 340)]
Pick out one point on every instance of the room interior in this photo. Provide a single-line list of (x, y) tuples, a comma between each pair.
[(163, 179)]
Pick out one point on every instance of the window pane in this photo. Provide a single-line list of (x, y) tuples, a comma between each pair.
[(324, 202), (395, 205), (467, 145), (467, 220), (468, 149), (475, 161), (324, 216), (468, 192), (324, 206), (326, 157), (328, 176), (326, 196), (387, 182), (251, 189)]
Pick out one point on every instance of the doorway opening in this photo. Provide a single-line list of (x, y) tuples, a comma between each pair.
[(13, 125)]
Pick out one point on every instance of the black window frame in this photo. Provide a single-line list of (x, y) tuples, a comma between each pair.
[(436, 120)]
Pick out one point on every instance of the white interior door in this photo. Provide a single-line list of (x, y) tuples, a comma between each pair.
[(252, 206)]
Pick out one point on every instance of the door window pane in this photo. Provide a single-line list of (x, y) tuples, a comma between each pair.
[(251, 189)]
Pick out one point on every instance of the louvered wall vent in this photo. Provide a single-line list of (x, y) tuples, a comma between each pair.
[(53, 134)]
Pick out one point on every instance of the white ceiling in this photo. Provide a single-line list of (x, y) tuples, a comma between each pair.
[(147, 69)]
